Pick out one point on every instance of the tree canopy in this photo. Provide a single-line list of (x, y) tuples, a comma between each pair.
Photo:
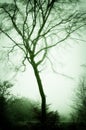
[(35, 26)]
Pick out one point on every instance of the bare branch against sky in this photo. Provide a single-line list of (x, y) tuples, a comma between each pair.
[(39, 25)]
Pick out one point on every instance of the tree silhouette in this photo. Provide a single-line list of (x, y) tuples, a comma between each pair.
[(35, 26), (80, 102), (4, 98)]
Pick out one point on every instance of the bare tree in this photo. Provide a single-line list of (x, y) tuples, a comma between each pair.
[(80, 102), (35, 26)]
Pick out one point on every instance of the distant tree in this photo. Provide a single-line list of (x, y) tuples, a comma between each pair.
[(4, 97), (36, 26), (5, 87), (79, 116)]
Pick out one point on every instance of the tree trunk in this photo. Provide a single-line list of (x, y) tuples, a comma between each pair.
[(41, 91)]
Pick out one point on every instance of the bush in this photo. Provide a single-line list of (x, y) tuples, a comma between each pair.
[(52, 119)]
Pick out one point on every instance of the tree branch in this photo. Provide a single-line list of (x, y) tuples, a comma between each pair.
[(17, 44)]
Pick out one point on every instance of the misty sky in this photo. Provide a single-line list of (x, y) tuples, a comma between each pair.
[(69, 58)]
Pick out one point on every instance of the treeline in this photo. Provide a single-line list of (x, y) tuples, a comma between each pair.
[(23, 114)]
